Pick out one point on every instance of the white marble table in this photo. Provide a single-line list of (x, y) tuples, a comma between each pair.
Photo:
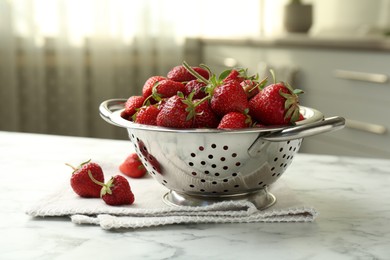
[(351, 194)]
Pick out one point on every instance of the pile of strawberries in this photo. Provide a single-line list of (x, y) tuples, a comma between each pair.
[(194, 97)]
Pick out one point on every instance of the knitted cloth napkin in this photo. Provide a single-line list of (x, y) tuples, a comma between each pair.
[(149, 208)]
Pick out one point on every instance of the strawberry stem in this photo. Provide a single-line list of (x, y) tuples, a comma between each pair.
[(106, 187), (202, 100), (194, 73), (273, 75), (71, 166), (206, 68), (145, 103), (291, 104), (260, 85), (77, 168), (94, 180)]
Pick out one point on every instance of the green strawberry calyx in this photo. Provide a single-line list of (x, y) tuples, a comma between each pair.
[(155, 95), (191, 106), (211, 83), (291, 105), (242, 73), (248, 120)]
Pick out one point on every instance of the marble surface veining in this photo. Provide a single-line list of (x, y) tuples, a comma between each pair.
[(351, 194)]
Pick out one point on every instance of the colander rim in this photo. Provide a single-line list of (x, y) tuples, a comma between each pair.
[(311, 115)]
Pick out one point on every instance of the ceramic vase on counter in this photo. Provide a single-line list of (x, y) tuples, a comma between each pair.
[(298, 17)]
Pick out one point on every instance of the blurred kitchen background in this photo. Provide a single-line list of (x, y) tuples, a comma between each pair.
[(59, 59)]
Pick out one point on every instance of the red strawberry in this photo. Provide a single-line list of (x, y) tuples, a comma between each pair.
[(234, 120), (131, 106), (234, 75), (276, 104), (166, 88), (116, 191), (181, 74), (205, 116), (132, 166), (177, 112), (258, 125), (226, 96), (229, 97), (149, 83), (196, 87), (147, 115), (81, 182), (250, 87), (301, 117)]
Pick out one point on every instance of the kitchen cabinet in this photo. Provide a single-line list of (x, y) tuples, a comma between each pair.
[(349, 82)]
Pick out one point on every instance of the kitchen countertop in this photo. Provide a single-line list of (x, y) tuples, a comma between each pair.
[(352, 196), (370, 43)]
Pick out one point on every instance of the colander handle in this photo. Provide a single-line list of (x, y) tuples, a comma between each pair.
[(297, 132), (107, 108)]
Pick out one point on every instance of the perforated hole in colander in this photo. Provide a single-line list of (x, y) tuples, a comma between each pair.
[(215, 165), (213, 160), (283, 158), (148, 160)]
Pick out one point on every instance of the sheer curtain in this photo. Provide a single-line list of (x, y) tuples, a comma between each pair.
[(60, 58)]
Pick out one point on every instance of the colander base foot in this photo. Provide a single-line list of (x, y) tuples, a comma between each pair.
[(262, 199)]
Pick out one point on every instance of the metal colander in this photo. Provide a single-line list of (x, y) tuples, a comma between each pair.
[(202, 166)]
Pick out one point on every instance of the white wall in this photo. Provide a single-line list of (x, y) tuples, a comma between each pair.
[(350, 16), (339, 17)]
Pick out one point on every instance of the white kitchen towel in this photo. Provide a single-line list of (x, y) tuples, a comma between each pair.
[(150, 210)]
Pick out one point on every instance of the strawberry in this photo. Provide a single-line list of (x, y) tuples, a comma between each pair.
[(116, 191), (205, 116), (229, 97), (301, 117), (177, 112), (250, 84), (82, 184), (166, 88), (235, 120), (133, 167), (276, 104), (147, 115), (181, 74), (250, 87), (149, 83), (197, 87), (131, 106), (226, 96), (258, 125), (234, 75)]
